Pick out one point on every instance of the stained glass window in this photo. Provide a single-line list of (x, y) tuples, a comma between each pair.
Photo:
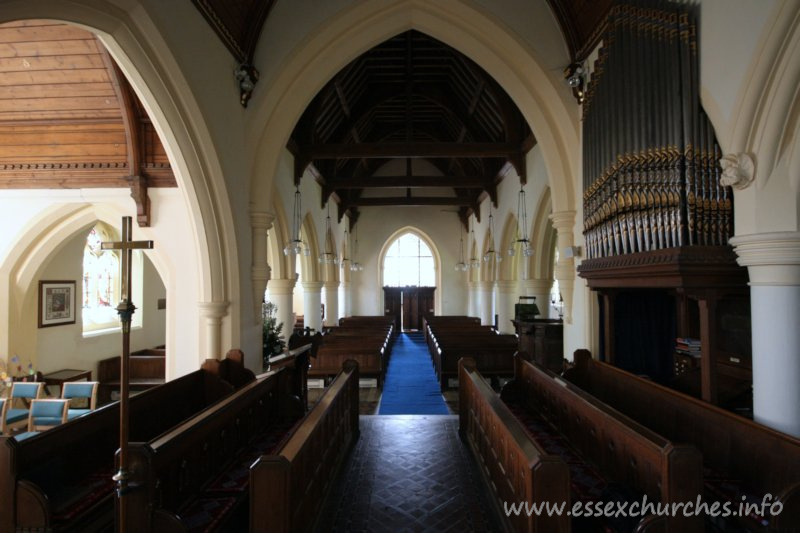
[(100, 282)]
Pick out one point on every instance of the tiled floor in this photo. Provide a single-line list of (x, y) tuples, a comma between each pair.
[(408, 473)]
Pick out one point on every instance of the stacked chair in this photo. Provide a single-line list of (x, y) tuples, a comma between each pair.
[(75, 390), (18, 416)]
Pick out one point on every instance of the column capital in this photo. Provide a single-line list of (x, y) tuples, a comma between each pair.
[(331, 285), (506, 286), (563, 220), (485, 285), (281, 286), (540, 285), (261, 219), (312, 286), (213, 309), (771, 258)]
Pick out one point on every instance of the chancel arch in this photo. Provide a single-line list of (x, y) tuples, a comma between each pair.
[(536, 90)]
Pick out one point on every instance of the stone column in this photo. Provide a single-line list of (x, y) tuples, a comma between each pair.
[(281, 292), (312, 302), (564, 224), (505, 305), (347, 299), (213, 313), (331, 303), (473, 299), (773, 262), (260, 223), (541, 289), (486, 291)]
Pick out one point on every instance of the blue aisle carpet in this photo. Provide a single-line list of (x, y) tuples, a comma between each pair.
[(410, 387)]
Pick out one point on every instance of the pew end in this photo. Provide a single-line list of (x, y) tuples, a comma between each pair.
[(789, 518)]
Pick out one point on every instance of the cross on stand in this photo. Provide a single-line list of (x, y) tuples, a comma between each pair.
[(125, 310)]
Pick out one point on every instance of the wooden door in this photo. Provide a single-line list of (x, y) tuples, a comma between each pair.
[(391, 304)]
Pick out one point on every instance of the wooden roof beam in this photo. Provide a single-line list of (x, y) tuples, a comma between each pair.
[(411, 200), (412, 181), (410, 149)]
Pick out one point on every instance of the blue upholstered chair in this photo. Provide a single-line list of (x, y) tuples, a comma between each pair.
[(76, 390), (20, 390), (46, 414)]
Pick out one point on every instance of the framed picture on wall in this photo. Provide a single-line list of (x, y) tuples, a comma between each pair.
[(56, 303)]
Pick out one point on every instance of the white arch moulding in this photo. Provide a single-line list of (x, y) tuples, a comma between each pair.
[(44, 237), (140, 51), (471, 31)]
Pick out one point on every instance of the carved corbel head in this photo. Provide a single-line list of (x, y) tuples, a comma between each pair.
[(738, 170), (247, 76)]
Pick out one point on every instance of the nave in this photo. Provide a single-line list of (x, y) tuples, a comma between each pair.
[(408, 473)]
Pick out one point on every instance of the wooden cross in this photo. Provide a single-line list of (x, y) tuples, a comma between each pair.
[(125, 310)]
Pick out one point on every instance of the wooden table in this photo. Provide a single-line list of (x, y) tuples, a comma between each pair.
[(62, 376)]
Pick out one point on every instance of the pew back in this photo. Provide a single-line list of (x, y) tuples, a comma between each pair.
[(287, 488), (33, 478), (766, 460), (623, 449), (174, 467), (517, 467)]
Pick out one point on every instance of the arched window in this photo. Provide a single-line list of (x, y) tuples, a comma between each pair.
[(409, 262), (556, 304), (100, 282)]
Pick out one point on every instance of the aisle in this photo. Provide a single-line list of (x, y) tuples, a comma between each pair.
[(408, 473), (410, 387)]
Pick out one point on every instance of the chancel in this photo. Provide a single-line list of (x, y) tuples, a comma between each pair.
[(427, 263)]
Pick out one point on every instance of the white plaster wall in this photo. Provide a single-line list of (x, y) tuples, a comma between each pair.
[(28, 214), (57, 347), (376, 225)]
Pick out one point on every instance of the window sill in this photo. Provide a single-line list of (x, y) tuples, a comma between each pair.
[(107, 331)]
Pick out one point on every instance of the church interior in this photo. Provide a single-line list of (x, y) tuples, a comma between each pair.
[(391, 265)]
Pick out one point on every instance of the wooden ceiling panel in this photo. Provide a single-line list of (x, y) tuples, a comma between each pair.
[(581, 22), (62, 122), (237, 22)]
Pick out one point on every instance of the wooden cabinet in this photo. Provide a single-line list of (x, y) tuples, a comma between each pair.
[(649, 299), (543, 341)]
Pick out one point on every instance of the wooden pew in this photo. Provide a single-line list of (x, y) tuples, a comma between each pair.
[(448, 320), (624, 451), (738, 453), (288, 487), (296, 362), (516, 466), (368, 343), (448, 343), (366, 321), (146, 371), (196, 474), (62, 478)]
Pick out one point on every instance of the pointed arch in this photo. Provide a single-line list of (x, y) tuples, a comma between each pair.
[(309, 264), (509, 269), (437, 262), (489, 268), (278, 239), (42, 239), (537, 91), (330, 272), (543, 239), (134, 41)]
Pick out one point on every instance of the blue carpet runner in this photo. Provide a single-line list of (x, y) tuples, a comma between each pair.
[(410, 387)]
